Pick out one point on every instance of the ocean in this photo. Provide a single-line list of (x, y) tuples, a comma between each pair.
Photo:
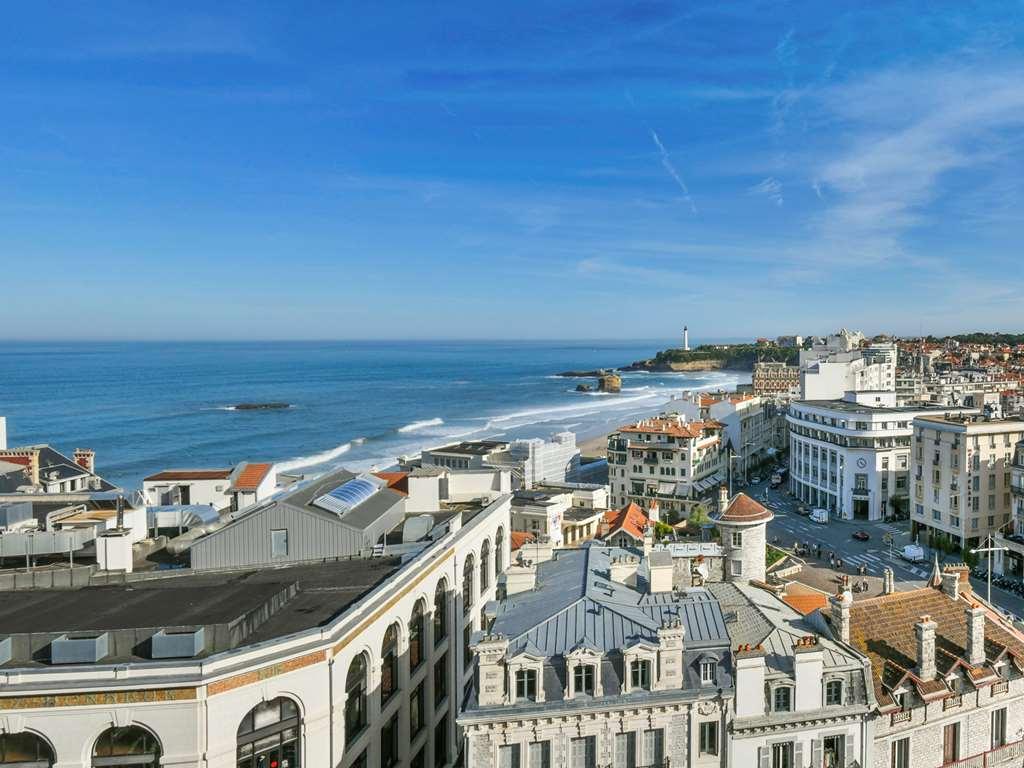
[(147, 406)]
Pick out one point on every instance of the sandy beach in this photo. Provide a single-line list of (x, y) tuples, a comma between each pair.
[(594, 446)]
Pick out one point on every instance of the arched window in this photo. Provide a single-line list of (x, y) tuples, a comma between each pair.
[(129, 747), (25, 749), (467, 585), (485, 566), (416, 635), (440, 612), (389, 664), (355, 698), (269, 735), (499, 550)]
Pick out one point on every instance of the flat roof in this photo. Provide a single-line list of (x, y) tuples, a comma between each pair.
[(848, 407), (472, 447)]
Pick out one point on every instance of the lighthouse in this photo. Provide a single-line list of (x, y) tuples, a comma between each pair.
[(686, 338)]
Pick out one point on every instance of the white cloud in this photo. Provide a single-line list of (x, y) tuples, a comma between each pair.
[(770, 188), (666, 162)]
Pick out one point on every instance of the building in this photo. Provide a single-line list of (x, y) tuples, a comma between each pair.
[(1010, 562), (40, 469), (748, 423), (827, 376), (790, 342), (852, 456), (604, 656), (947, 675), (228, 488), (667, 460), (962, 467), (351, 662), (772, 379), (531, 461)]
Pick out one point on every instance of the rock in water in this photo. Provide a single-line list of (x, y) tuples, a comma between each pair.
[(609, 382), (584, 388), (260, 406)]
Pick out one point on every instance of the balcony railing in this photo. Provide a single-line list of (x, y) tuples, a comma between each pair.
[(903, 716), (997, 756), (952, 702), (1001, 687)]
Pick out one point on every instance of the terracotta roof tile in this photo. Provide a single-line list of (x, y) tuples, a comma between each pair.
[(518, 538), (805, 604), (397, 481), (671, 427), (251, 476), (189, 474), (631, 519), (743, 509)]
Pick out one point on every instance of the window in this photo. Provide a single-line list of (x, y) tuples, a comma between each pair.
[(467, 585), (782, 756), (998, 727), (416, 636), (508, 756), (130, 746), (526, 684), (441, 742), (440, 613), (736, 567), (709, 738), (417, 710), (268, 733), (467, 639), (539, 754), (901, 753), (389, 742), (419, 760), (583, 679), (640, 674), (625, 750), (441, 679), (583, 752), (25, 748), (834, 751), (737, 538), (355, 699), (499, 544), (654, 747), (782, 699), (833, 693), (279, 543), (707, 672), (389, 664), (485, 566), (951, 743)]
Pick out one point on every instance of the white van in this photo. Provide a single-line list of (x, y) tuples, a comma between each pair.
[(819, 516), (912, 553)]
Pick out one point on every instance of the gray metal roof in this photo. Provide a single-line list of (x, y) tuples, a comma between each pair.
[(575, 600)]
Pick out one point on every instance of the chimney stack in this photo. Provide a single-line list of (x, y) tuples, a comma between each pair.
[(975, 634), (888, 581), (654, 512), (723, 497), (951, 584), (840, 604), (86, 459), (925, 631)]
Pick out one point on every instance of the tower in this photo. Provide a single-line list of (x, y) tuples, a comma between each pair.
[(686, 338), (743, 525)]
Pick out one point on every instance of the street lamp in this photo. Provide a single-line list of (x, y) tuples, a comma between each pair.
[(989, 549)]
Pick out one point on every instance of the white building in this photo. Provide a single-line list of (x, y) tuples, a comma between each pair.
[(668, 460), (1011, 561), (531, 461), (227, 488), (852, 456), (962, 476), (349, 663)]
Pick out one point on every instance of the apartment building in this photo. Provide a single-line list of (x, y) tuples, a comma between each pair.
[(852, 456), (771, 379), (531, 461), (962, 476), (668, 460), (1011, 560)]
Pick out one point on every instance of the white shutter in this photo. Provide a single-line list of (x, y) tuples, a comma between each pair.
[(763, 757), (816, 753), (798, 754), (539, 755), (848, 741)]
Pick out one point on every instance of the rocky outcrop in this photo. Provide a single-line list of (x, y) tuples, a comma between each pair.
[(609, 382)]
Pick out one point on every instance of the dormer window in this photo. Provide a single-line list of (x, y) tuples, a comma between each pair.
[(782, 699), (526, 684), (833, 693), (583, 679), (708, 672), (640, 674)]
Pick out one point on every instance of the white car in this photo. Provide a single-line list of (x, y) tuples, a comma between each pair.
[(819, 516)]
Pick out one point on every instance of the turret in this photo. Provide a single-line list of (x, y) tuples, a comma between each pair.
[(743, 524)]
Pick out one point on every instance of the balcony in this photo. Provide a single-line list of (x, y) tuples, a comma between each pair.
[(952, 702), (903, 716), (994, 757)]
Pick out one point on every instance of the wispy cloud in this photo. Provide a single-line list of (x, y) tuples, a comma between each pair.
[(666, 162), (770, 188)]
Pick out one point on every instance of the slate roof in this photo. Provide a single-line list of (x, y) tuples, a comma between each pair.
[(51, 461), (883, 629), (575, 600)]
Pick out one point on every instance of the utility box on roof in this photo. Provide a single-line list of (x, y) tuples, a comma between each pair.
[(79, 648), (184, 643)]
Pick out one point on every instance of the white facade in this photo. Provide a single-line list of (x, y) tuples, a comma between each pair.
[(194, 708), (749, 431), (852, 456), (557, 459), (206, 487)]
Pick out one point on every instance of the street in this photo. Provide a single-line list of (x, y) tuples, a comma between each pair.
[(789, 528)]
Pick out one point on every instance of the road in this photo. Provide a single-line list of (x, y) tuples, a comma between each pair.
[(874, 554)]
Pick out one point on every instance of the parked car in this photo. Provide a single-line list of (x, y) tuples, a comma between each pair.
[(802, 510), (912, 553), (861, 535), (819, 516)]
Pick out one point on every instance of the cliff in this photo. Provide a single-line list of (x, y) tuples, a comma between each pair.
[(733, 356)]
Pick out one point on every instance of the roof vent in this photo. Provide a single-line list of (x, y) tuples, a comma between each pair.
[(79, 648), (180, 643)]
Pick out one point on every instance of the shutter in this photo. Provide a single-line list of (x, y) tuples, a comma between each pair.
[(815, 753), (848, 741), (763, 757), (798, 754)]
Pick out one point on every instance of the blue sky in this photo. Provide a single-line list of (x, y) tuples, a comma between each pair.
[(522, 170)]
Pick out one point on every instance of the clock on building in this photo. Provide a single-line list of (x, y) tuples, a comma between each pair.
[(862, 462)]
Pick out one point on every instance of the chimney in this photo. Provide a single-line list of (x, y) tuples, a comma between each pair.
[(654, 512), (648, 539), (840, 604), (520, 577), (809, 664), (723, 497), (120, 512), (622, 568), (659, 571), (888, 581), (951, 584), (750, 679), (975, 634), (670, 654), (490, 653), (86, 458), (925, 631)]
